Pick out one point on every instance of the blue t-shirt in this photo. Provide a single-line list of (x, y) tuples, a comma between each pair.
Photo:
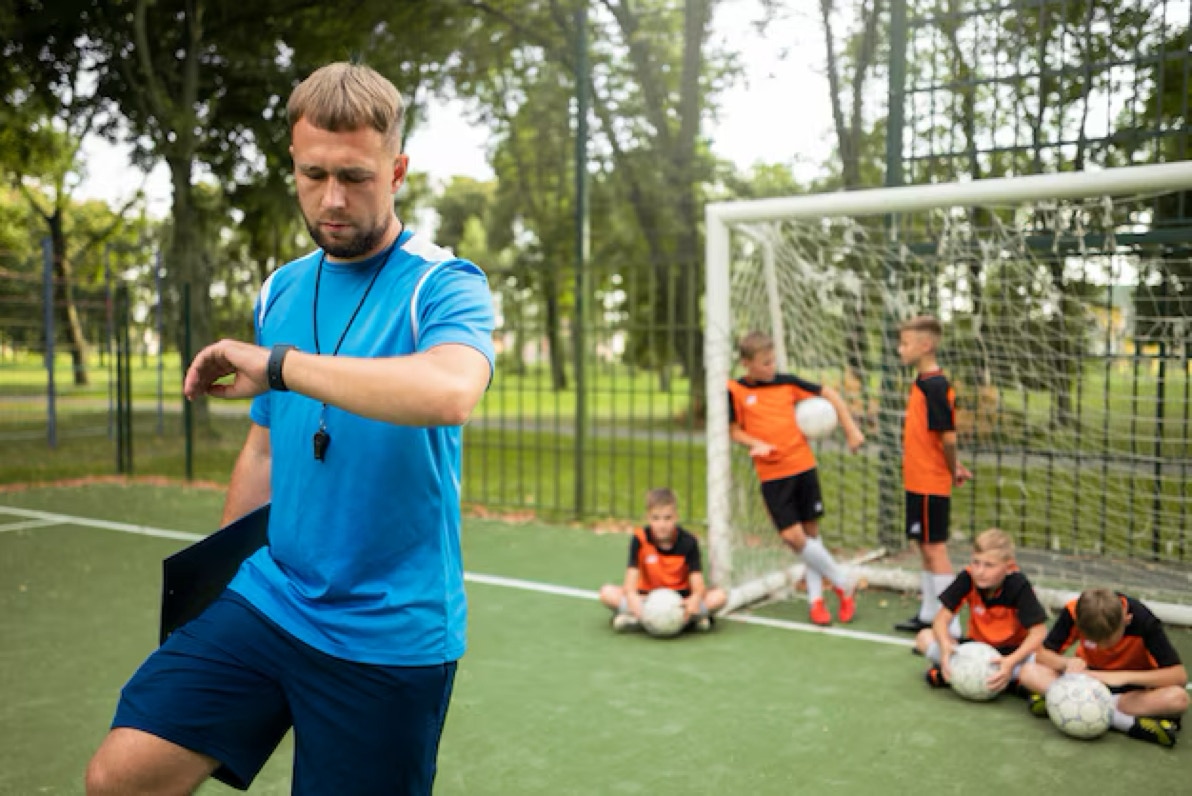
[(363, 561)]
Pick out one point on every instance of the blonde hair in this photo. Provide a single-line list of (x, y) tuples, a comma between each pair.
[(1099, 614), (662, 496), (995, 540), (927, 324), (343, 97), (754, 343)]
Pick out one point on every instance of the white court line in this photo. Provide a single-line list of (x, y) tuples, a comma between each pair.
[(123, 527), (473, 577), (566, 591), (21, 526)]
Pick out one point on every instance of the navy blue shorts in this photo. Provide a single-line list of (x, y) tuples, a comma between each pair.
[(231, 683)]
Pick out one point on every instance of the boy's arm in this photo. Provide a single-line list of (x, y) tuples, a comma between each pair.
[(1054, 660), (939, 628), (756, 446), (1150, 678), (960, 473), (633, 600), (698, 589), (852, 432), (1032, 642)]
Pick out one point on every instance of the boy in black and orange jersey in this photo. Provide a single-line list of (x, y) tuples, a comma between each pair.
[(662, 556), (1004, 612), (1122, 644), (929, 465), (762, 417)]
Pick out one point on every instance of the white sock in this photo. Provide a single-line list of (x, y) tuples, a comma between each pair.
[(815, 584), (1122, 722), (954, 628), (929, 603), (818, 557)]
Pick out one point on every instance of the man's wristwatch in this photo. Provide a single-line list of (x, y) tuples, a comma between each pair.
[(277, 356)]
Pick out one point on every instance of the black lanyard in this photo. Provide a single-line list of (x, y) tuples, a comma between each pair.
[(322, 439)]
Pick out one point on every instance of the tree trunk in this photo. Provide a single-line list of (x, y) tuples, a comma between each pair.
[(187, 267), (69, 311), (558, 357)]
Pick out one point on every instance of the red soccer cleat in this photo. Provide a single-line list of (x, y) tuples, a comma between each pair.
[(848, 605), (819, 613)]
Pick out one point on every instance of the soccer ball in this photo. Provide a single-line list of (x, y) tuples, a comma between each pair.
[(816, 417), (1080, 705), (972, 664), (662, 613)]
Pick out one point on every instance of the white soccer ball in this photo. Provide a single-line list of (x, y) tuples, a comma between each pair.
[(816, 417), (972, 664), (662, 613), (1080, 705)]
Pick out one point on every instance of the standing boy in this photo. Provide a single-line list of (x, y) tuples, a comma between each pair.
[(930, 467), (762, 417), (662, 556)]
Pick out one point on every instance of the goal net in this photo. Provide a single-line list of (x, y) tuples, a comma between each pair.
[(1066, 302)]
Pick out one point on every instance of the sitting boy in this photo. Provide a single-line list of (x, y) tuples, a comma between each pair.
[(662, 556), (1003, 612), (1122, 644)]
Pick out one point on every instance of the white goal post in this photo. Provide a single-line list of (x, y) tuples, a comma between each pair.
[(744, 218)]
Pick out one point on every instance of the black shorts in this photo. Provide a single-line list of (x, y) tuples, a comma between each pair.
[(684, 593), (794, 499), (927, 517)]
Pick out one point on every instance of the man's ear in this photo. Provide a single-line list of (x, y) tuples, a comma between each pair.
[(401, 165)]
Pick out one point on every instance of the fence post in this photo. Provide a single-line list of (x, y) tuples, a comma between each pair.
[(47, 256), (160, 343), (187, 409), (581, 249)]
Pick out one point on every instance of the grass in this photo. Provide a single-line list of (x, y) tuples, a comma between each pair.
[(548, 700)]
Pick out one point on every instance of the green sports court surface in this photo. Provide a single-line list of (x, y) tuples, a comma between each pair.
[(548, 700)]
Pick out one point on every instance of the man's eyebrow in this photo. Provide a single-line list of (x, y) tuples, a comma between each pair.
[(348, 171)]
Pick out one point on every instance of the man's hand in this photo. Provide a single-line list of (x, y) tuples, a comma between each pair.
[(855, 440), (245, 363)]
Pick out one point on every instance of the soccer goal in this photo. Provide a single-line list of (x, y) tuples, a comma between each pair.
[(1067, 306)]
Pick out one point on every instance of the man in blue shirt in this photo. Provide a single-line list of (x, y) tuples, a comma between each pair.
[(372, 352)]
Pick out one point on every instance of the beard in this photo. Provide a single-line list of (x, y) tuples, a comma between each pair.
[(358, 245)]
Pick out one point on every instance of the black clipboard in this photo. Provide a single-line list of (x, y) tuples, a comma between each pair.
[(193, 577)]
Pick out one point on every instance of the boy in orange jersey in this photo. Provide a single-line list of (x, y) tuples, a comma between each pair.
[(662, 556), (762, 418), (929, 465), (1003, 612), (1122, 644)]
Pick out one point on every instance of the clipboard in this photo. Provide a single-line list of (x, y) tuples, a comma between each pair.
[(195, 576)]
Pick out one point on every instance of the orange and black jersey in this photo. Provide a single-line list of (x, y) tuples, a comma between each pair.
[(1143, 646), (930, 410), (664, 569), (766, 410), (1001, 618)]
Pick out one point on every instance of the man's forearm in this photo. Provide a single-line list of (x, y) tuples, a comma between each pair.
[(434, 388)]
